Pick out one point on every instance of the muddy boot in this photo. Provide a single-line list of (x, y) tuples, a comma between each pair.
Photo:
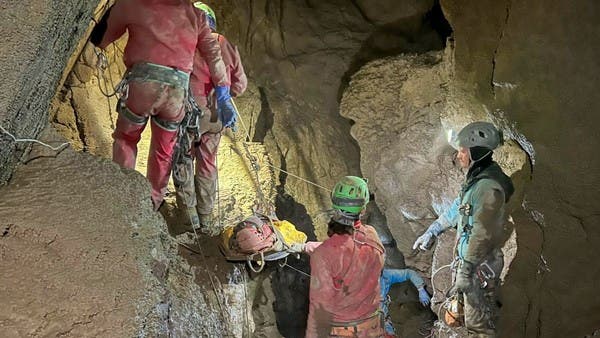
[(208, 226)]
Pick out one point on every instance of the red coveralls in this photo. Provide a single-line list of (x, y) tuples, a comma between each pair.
[(160, 33), (205, 152), (344, 285)]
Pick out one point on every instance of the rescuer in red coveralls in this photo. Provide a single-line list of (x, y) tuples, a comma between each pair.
[(197, 191), (163, 36), (345, 270)]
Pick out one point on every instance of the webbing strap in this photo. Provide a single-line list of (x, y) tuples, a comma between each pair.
[(348, 202), (145, 71), (357, 323), (129, 115), (165, 124)]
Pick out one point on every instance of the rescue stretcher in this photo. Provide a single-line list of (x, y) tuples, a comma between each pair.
[(285, 234)]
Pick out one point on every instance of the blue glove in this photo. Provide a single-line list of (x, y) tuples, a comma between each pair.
[(225, 109), (423, 241), (435, 228), (424, 296)]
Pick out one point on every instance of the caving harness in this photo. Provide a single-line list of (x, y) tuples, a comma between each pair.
[(354, 328), (188, 129), (484, 271), (188, 133), (150, 72)]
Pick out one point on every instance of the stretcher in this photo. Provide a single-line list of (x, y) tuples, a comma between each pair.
[(286, 235)]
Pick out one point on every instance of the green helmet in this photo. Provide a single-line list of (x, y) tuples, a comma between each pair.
[(350, 194), (210, 14)]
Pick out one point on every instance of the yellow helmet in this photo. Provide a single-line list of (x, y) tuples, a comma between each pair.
[(210, 14)]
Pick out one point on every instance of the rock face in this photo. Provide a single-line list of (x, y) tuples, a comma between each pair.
[(298, 54), (83, 254), (536, 64), (403, 107), (83, 111), (396, 103), (38, 38)]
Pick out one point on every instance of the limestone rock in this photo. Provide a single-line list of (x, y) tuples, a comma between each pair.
[(35, 50), (298, 54), (534, 64), (382, 12), (114, 269), (396, 104)]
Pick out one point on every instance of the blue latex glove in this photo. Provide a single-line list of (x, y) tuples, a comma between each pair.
[(424, 296), (423, 241), (225, 108)]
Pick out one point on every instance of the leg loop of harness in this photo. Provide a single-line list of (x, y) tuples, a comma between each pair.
[(129, 115), (164, 124)]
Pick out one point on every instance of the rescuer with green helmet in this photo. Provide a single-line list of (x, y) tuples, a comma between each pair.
[(345, 269), (349, 199)]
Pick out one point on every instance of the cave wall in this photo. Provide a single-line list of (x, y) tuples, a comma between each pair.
[(535, 63), (83, 254), (38, 39), (396, 103), (530, 65), (299, 55), (402, 106)]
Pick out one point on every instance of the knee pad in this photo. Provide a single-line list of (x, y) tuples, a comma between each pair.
[(129, 115)]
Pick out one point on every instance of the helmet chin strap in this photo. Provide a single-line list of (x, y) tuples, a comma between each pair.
[(345, 218), (472, 161)]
